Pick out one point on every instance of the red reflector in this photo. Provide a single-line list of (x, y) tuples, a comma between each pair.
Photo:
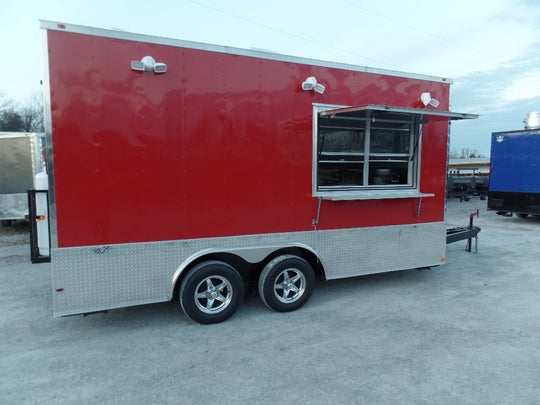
[(62, 26), (59, 289)]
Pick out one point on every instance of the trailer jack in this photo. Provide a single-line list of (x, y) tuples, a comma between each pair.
[(465, 232)]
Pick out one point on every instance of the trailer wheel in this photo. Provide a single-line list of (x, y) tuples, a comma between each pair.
[(286, 283), (211, 292)]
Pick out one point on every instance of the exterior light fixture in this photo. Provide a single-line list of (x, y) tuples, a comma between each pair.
[(426, 99), (148, 64), (311, 84)]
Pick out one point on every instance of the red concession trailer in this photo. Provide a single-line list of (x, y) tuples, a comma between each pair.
[(185, 169)]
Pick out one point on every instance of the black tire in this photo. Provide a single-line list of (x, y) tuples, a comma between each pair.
[(523, 215), (211, 292), (286, 283)]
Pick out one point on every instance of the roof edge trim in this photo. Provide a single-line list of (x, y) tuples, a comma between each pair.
[(117, 34)]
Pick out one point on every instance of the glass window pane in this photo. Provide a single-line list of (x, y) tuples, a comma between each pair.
[(341, 140), (389, 141), (341, 174), (342, 160), (388, 173)]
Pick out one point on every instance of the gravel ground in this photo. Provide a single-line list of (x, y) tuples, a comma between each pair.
[(467, 332)]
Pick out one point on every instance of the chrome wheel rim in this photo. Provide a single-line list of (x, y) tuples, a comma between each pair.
[(213, 294), (289, 285)]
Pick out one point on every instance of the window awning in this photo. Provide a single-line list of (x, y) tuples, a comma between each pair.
[(431, 115)]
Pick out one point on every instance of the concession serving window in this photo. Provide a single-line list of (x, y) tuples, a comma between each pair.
[(370, 151)]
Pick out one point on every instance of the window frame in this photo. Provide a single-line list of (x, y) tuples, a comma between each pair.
[(367, 191)]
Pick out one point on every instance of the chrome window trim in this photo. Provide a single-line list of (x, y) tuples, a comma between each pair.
[(366, 192)]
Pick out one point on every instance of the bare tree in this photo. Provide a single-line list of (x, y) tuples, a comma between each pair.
[(4, 101), (465, 153), (25, 117), (32, 114), (9, 119)]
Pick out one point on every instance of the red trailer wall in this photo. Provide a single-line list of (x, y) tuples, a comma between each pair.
[(219, 145)]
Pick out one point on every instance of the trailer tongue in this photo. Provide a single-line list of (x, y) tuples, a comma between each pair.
[(465, 232)]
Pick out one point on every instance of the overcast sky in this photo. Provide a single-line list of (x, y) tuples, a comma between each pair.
[(490, 48)]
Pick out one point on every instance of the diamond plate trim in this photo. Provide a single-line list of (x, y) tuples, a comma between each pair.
[(88, 279)]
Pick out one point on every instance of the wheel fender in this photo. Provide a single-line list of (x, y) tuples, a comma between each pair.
[(249, 254)]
